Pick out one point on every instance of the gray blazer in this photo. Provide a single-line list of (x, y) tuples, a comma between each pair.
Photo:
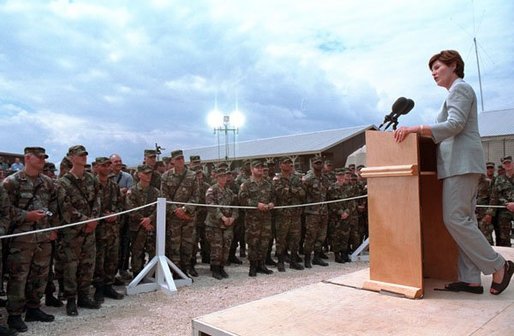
[(459, 149)]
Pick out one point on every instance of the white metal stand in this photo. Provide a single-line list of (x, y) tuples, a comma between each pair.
[(355, 256), (156, 275)]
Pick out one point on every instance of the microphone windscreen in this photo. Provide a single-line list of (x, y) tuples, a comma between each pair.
[(408, 106), (398, 105)]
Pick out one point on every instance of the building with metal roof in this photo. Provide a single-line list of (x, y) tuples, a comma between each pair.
[(335, 145), (497, 132)]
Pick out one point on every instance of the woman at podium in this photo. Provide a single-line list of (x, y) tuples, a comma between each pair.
[(460, 162)]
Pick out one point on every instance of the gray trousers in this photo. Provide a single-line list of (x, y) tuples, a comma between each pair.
[(475, 253)]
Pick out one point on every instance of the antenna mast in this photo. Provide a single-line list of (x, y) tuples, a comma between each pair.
[(479, 76)]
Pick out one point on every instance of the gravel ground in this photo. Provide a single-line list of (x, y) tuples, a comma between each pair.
[(157, 313)]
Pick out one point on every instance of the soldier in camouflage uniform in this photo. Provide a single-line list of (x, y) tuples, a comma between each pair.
[(179, 185), (289, 191), (33, 198), (257, 192), (5, 223), (239, 226), (316, 216), (151, 160), (502, 193), (79, 201), (219, 223), (362, 207), (201, 212), (339, 215), (483, 194), (107, 233), (142, 222)]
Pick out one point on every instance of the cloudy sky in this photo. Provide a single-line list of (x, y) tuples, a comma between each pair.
[(120, 76)]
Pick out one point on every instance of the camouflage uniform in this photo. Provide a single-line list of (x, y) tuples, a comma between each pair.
[(180, 233), (79, 201), (342, 227), (201, 215), (289, 191), (239, 225), (107, 235), (502, 192), (483, 193), (142, 241), (316, 216), (219, 235), (257, 223), (29, 256), (5, 224)]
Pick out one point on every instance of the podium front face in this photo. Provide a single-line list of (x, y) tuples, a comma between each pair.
[(403, 200)]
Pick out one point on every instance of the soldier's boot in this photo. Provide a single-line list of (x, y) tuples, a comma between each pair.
[(287, 257), (338, 258), (242, 251), (345, 257), (52, 301), (15, 322), (296, 257), (191, 271), (223, 273), (269, 261), (71, 307), (296, 266), (110, 292), (318, 261), (216, 272), (36, 314), (7, 332), (253, 268), (280, 264), (323, 255), (88, 303), (261, 268), (99, 294), (308, 260), (206, 259), (233, 259)]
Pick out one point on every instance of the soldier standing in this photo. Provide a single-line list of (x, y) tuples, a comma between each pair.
[(79, 201), (179, 185), (5, 222), (316, 216), (257, 192), (33, 198), (339, 214), (289, 191), (141, 222), (151, 160), (107, 233), (483, 193), (219, 223), (201, 212), (239, 226), (502, 193)]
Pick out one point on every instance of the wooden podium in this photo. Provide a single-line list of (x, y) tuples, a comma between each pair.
[(408, 239)]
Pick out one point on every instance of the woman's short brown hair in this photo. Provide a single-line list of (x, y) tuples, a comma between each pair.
[(448, 57)]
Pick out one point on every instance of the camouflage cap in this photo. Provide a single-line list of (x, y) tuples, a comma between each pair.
[(328, 162), (220, 171), (166, 159), (507, 159), (285, 159), (256, 163), (37, 151), (247, 162), (177, 153), (144, 169), (316, 158), (222, 165), (195, 159), (49, 166), (66, 163), (102, 160), (340, 171), (360, 167), (150, 152), (490, 165), (351, 166), (270, 162), (77, 150)]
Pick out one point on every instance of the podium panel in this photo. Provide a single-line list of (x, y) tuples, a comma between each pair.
[(408, 239)]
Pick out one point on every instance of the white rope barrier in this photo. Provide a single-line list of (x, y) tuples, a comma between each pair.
[(77, 223)]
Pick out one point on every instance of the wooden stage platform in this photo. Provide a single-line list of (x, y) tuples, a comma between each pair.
[(340, 306)]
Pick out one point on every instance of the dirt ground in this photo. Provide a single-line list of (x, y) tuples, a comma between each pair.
[(158, 313)]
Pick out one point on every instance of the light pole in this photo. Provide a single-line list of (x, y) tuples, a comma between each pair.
[(224, 123)]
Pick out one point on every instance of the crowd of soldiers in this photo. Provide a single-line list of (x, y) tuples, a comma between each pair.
[(496, 188), (250, 211)]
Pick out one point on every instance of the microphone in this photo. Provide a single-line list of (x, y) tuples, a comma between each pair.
[(400, 107)]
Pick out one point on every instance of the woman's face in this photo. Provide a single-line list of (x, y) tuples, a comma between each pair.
[(444, 75)]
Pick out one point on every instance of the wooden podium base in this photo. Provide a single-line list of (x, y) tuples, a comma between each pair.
[(407, 291)]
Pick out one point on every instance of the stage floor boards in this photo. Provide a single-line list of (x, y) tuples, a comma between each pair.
[(339, 306)]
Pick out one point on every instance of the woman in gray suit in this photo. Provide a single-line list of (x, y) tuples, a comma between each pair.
[(460, 162)]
